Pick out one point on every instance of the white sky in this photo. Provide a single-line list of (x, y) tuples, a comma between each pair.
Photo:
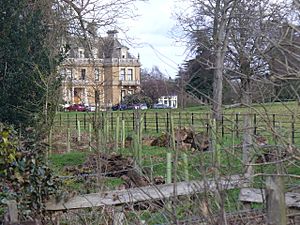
[(151, 33)]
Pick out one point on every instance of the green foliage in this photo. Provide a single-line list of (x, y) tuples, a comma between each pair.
[(26, 62), (24, 176), (136, 99)]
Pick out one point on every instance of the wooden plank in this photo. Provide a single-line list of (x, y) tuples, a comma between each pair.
[(133, 195), (259, 196)]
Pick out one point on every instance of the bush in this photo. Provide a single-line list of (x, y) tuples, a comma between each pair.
[(24, 176), (136, 99)]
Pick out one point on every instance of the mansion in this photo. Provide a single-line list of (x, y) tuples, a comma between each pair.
[(100, 71)]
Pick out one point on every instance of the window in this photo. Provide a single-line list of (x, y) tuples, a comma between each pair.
[(97, 97), (123, 93), (130, 74), (83, 72), (69, 73), (81, 54), (130, 92), (122, 74), (97, 74)]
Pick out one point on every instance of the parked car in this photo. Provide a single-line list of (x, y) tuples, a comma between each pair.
[(90, 108), (76, 107), (141, 106), (119, 107), (161, 106)]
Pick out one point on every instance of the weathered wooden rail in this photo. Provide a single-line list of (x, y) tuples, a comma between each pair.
[(148, 193), (256, 195)]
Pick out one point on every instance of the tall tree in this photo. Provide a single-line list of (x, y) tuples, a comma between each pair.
[(26, 62)]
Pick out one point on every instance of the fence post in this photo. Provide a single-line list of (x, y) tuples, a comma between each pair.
[(237, 124), (222, 124), (254, 123), (123, 133), (207, 123), (117, 133), (90, 137), (133, 121), (79, 131), (118, 216), (293, 129), (192, 118), (169, 168), (156, 122), (13, 211), (145, 121), (112, 122), (50, 141), (168, 122), (76, 119), (275, 199), (68, 119)]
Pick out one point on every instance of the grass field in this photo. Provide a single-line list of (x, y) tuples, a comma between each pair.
[(267, 120)]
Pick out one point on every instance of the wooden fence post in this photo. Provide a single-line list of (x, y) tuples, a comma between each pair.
[(255, 123), (50, 141), (169, 168), (275, 199), (293, 129), (76, 119), (78, 131), (237, 124), (168, 129), (192, 118), (117, 133), (90, 137), (145, 121), (68, 140), (222, 124), (123, 133), (68, 119), (13, 211), (118, 216)]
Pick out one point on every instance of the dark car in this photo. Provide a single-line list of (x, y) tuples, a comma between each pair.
[(77, 108), (119, 107)]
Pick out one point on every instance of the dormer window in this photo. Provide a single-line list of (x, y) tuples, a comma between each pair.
[(123, 52), (97, 74), (81, 53)]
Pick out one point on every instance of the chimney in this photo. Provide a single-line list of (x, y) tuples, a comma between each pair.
[(112, 33)]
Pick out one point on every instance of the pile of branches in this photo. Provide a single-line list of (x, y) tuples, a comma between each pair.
[(185, 138)]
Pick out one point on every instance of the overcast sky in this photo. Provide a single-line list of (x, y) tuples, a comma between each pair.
[(151, 31)]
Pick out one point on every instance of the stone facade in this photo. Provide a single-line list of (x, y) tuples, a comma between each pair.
[(102, 75)]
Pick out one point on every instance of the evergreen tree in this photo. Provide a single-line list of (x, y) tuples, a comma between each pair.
[(25, 62)]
